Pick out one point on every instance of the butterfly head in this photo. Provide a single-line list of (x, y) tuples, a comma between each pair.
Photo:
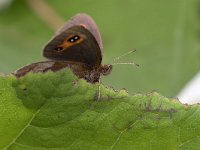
[(105, 69)]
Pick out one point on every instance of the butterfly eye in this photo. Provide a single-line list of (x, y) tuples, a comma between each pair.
[(73, 39), (59, 48)]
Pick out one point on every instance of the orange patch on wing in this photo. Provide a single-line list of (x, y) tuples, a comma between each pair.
[(67, 44)]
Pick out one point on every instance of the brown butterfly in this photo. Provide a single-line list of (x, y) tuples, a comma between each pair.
[(78, 46)]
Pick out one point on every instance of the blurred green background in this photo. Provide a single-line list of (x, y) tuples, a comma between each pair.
[(165, 34)]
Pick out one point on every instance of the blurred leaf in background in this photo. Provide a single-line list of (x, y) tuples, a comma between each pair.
[(165, 34)]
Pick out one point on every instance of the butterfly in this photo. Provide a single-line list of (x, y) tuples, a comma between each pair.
[(76, 45)]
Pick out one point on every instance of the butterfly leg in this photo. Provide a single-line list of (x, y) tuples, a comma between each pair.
[(99, 89)]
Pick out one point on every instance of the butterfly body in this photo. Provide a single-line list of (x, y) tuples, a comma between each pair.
[(79, 69)]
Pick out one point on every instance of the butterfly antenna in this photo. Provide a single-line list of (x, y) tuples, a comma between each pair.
[(125, 63), (124, 55), (128, 63)]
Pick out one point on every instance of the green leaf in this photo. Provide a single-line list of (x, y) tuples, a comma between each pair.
[(58, 111)]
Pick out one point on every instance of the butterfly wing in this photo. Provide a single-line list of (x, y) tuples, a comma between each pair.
[(78, 40), (86, 21), (78, 68)]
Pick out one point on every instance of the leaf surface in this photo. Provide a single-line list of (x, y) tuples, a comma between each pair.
[(57, 111)]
